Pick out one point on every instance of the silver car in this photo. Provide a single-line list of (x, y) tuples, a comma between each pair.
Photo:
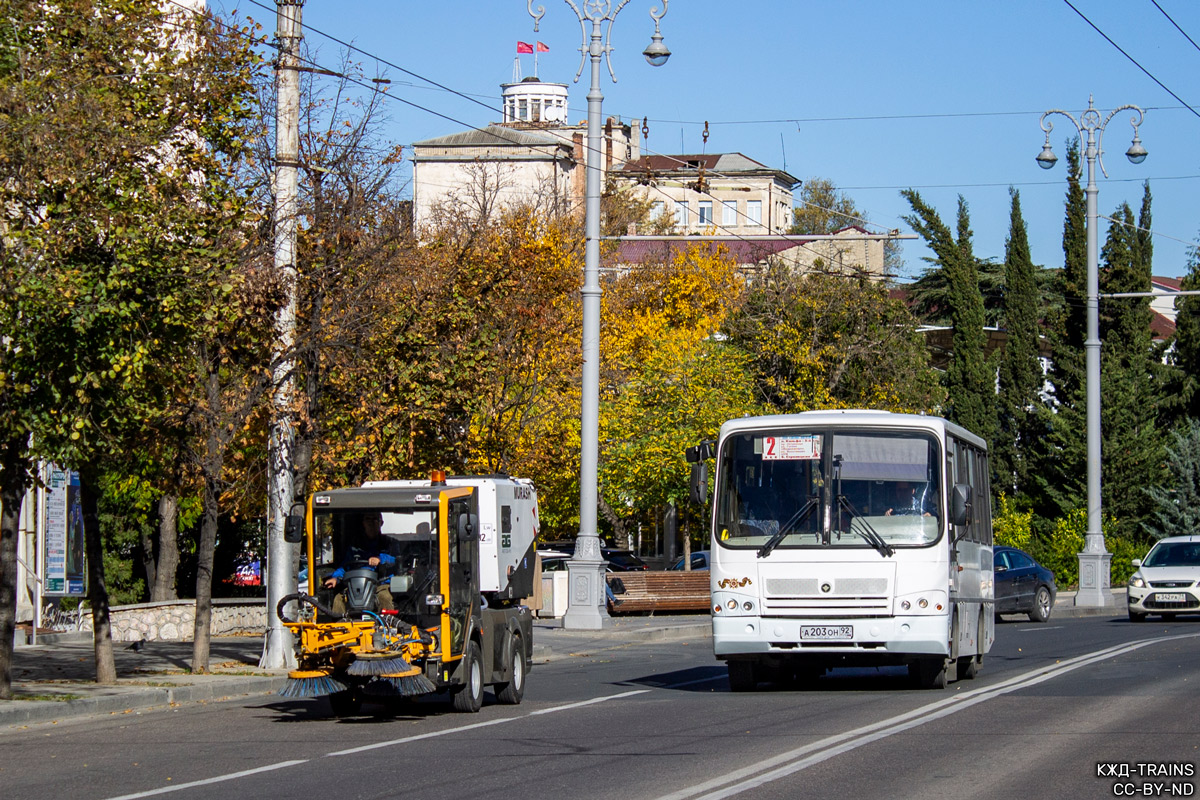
[(1167, 581)]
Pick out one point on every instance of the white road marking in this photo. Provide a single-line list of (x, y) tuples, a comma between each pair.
[(776, 767), (488, 723), (207, 781), (270, 767)]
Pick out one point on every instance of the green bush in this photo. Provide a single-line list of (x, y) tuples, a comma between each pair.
[(1060, 551), (1012, 528), (1124, 551)]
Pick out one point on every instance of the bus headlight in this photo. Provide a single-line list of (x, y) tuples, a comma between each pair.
[(732, 605), (905, 605), (748, 606)]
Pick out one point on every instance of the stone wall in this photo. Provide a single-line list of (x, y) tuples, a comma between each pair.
[(175, 621)]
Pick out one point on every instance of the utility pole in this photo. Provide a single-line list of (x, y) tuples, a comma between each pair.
[(278, 652)]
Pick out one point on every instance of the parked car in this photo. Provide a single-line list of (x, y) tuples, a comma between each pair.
[(1023, 586), (618, 560), (621, 560), (699, 561), (553, 560), (1167, 581)]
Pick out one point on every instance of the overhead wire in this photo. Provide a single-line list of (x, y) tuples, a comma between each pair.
[(1176, 24), (491, 108), (1133, 60), (680, 161)]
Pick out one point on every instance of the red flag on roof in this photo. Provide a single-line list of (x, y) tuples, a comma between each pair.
[(543, 48), (524, 47)]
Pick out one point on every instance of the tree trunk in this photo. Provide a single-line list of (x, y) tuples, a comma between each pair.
[(211, 466), (149, 563), (204, 568), (14, 478), (106, 667), (163, 588), (607, 512)]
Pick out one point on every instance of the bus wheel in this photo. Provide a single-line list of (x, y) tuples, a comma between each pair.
[(968, 667), (929, 673), (742, 676)]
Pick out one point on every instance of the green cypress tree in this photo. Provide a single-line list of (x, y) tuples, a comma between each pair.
[(1069, 327), (1058, 454), (1185, 356), (970, 380), (1020, 366), (1132, 443), (1177, 502), (1124, 321)]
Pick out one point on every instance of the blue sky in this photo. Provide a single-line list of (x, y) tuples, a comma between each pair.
[(940, 96)]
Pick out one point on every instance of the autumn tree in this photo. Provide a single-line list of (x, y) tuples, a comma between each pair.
[(353, 228), (122, 121), (668, 379), (819, 341)]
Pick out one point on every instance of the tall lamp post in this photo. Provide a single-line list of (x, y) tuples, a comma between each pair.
[(585, 609), (1094, 560)]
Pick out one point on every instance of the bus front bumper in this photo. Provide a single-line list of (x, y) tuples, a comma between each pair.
[(885, 637)]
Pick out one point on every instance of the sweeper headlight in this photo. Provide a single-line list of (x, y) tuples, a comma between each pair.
[(434, 599)]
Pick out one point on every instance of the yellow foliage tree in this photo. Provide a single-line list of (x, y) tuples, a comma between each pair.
[(669, 378)]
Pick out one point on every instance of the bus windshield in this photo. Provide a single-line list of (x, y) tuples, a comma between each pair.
[(829, 488)]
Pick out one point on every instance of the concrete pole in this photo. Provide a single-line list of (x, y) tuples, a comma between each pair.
[(586, 609), (278, 650), (1094, 560)]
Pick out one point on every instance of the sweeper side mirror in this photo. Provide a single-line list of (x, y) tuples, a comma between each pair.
[(293, 529), (468, 527)]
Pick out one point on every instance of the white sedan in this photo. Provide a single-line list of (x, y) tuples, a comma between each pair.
[(1167, 582)]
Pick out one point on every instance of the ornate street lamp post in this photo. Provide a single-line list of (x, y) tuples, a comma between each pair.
[(1094, 561), (585, 608)]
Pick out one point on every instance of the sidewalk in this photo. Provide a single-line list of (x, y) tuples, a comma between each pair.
[(56, 676), (55, 679)]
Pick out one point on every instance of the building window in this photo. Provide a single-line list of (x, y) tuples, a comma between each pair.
[(754, 212), (729, 213), (706, 217), (681, 213), (537, 110), (522, 110), (658, 209)]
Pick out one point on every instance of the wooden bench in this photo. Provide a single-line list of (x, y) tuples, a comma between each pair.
[(667, 590)]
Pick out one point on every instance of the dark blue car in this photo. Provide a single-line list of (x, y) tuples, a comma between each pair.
[(1023, 586)]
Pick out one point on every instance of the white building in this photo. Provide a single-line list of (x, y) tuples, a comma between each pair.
[(533, 156), (715, 193)]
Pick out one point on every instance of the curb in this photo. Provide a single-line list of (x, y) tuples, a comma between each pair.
[(70, 637), (611, 638), (122, 701)]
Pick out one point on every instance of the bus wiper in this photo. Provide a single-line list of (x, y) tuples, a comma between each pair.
[(859, 525), (786, 527)]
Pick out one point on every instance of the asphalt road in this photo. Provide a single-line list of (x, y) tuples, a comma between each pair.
[(1055, 705)]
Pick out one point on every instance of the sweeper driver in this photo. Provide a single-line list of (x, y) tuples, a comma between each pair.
[(369, 547)]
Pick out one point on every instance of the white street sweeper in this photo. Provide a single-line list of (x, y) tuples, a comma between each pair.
[(415, 587)]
